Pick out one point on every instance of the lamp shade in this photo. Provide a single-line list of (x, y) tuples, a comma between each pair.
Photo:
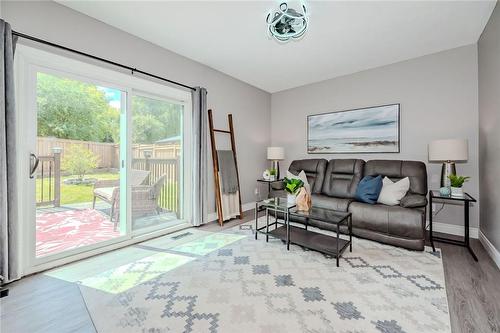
[(275, 153), (449, 150)]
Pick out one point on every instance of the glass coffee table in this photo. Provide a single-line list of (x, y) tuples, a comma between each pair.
[(277, 205), (331, 245)]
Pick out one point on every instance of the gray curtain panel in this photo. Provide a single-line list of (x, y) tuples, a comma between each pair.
[(9, 249), (200, 153)]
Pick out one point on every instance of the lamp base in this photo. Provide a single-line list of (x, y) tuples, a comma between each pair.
[(447, 169), (276, 166)]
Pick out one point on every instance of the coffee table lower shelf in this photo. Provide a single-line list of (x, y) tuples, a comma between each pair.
[(313, 240)]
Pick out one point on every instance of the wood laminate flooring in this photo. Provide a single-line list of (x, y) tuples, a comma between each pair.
[(40, 303)]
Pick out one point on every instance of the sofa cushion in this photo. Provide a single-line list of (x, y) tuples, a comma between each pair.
[(342, 177), (392, 192), (324, 201), (396, 169), (390, 220), (314, 169), (369, 189)]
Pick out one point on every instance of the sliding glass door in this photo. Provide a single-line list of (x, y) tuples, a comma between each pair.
[(76, 165), (157, 150), (101, 157)]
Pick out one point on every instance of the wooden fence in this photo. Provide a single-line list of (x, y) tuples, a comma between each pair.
[(168, 150), (108, 154), (170, 196)]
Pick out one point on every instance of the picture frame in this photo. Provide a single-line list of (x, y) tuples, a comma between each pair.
[(374, 129)]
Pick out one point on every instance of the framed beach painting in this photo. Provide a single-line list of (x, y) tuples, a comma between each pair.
[(367, 130)]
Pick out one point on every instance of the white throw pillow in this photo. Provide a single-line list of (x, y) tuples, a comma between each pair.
[(302, 176), (393, 192)]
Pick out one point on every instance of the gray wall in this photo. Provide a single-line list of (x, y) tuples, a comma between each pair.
[(250, 106), (438, 96), (489, 124)]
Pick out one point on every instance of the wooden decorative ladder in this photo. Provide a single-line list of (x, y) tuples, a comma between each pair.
[(215, 159)]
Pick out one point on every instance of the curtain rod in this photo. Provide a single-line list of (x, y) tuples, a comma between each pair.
[(133, 70)]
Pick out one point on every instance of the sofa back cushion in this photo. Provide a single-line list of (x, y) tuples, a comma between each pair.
[(314, 169), (342, 177), (416, 171)]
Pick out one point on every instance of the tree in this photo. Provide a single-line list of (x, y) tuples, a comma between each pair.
[(155, 119), (71, 109), (79, 161)]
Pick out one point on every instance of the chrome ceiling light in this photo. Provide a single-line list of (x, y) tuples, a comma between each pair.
[(287, 23)]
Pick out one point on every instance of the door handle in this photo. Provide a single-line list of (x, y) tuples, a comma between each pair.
[(33, 164)]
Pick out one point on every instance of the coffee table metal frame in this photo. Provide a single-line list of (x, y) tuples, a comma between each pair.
[(306, 238), (321, 242), (278, 205)]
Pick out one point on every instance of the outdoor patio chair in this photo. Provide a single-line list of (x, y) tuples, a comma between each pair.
[(109, 190), (145, 198)]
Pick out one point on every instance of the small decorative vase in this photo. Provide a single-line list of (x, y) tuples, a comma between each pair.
[(291, 198), (444, 191), (457, 192)]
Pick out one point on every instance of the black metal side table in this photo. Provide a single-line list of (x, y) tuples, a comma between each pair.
[(467, 200)]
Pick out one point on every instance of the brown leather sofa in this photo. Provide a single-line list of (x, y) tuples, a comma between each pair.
[(334, 183)]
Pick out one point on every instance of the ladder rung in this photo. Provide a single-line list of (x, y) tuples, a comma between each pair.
[(222, 131)]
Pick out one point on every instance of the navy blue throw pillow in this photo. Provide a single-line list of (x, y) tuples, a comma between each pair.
[(369, 189)]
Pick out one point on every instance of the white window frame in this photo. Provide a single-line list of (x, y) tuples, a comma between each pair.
[(28, 61)]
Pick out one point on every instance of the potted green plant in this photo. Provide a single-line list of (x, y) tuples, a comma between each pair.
[(272, 174), (456, 185), (292, 187)]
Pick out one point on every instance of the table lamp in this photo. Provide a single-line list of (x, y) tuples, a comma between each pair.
[(448, 151), (276, 154)]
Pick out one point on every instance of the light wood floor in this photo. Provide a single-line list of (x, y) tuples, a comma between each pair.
[(40, 303)]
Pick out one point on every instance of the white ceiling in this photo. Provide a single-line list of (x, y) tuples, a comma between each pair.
[(343, 37)]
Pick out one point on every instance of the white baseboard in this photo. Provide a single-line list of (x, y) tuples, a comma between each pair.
[(247, 206), (453, 229), (445, 228), (490, 248)]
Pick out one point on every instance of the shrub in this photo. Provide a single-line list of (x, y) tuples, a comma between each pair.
[(79, 161)]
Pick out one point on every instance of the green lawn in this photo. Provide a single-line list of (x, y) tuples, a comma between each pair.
[(72, 194)]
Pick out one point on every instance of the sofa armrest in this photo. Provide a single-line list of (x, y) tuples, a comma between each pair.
[(411, 200), (278, 185), (277, 194), (277, 189)]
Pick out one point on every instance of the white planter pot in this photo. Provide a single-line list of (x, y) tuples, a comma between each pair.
[(457, 191), (291, 199)]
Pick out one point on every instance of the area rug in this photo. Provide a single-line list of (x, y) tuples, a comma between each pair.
[(60, 231), (252, 285)]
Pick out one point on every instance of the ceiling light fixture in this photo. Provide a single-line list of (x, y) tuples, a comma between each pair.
[(287, 23)]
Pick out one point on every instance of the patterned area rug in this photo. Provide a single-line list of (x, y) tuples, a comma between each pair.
[(238, 284), (60, 231)]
